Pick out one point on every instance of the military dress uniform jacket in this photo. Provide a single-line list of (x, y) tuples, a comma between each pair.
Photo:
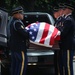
[(59, 23), (18, 35), (67, 34)]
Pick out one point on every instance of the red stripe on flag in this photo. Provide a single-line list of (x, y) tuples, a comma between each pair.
[(52, 37), (45, 32), (58, 37)]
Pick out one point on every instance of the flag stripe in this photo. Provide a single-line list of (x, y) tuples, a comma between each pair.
[(45, 33), (40, 32), (50, 31), (58, 36), (53, 35)]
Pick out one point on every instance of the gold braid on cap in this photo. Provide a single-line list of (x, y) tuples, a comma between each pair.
[(17, 11), (69, 7)]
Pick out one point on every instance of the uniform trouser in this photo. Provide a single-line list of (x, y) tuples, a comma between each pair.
[(18, 63), (65, 62), (56, 61)]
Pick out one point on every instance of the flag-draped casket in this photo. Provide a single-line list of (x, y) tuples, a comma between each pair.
[(43, 35)]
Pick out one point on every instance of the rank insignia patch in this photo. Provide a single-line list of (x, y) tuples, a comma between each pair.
[(22, 26)]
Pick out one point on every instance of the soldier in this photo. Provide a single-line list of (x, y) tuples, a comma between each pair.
[(67, 43), (18, 37), (58, 14)]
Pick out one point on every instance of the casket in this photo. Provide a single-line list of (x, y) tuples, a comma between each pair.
[(39, 47)]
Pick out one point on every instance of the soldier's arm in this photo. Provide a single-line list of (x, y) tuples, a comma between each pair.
[(21, 29), (67, 26)]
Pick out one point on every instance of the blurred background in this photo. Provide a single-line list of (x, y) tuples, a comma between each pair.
[(32, 5)]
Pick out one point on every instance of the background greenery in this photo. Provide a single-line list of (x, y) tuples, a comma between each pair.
[(32, 5)]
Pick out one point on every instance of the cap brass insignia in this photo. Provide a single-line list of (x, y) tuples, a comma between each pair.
[(22, 26)]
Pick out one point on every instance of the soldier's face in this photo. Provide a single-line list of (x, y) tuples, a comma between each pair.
[(61, 12), (21, 16), (56, 14), (67, 11), (18, 16)]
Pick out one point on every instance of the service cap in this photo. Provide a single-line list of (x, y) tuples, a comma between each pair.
[(56, 8), (61, 5), (69, 5), (17, 10)]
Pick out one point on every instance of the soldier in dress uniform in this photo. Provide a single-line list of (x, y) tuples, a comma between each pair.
[(67, 43), (18, 44), (58, 14)]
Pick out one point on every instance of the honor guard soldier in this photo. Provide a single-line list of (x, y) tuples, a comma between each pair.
[(58, 14), (18, 42), (67, 43)]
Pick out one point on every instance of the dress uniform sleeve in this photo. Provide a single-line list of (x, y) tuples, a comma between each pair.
[(21, 29), (67, 25)]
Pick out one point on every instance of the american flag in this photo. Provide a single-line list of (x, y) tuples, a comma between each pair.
[(42, 33)]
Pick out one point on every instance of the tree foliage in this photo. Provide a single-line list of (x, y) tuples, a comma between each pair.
[(31, 5)]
